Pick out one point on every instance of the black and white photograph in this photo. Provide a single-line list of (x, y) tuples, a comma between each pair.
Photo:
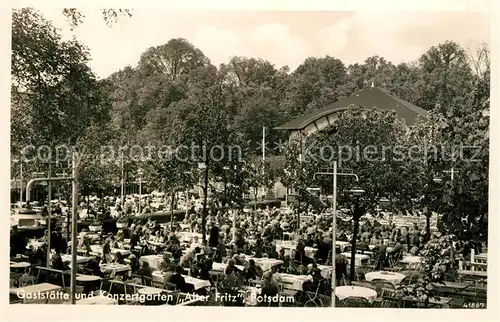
[(273, 159)]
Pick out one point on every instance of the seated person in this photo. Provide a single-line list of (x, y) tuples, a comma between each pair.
[(134, 263), (93, 267), (340, 268), (119, 258), (362, 246), (178, 280), (239, 260), (252, 271), (281, 255), (269, 285), (195, 269), (231, 268), (189, 257), (145, 270), (57, 262), (204, 269)]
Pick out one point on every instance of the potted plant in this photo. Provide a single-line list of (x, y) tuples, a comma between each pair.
[(233, 286), (95, 226)]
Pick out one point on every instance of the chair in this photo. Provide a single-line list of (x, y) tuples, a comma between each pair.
[(27, 280), (355, 302), (313, 298), (14, 279)]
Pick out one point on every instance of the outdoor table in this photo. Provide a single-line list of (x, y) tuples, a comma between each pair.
[(98, 300), (412, 259), (265, 263), (149, 291), (358, 258), (292, 282), (197, 283), (473, 273), (481, 258), (114, 268), (97, 249), (289, 246), (344, 292), (342, 244), (221, 267), (35, 289), (154, 261), (393, 277), (89, 282), (79, 259), (326, 271), (186, 237), (87, 278), (19, 265)]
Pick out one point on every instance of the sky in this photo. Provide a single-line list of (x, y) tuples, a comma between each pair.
[(281, 37)]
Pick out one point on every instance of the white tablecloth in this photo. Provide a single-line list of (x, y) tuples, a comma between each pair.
[(221, 267), (289, 246), (393, 277), (79, 259), (187, 237), (196, 282), (412, 260), (112, 269), (265, 263), (359, 258), (291, 282), (326, 271), (342, 244), (98, 250), (154, 261), (343, 292)]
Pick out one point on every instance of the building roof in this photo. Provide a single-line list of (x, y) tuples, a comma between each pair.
[(372, 97)]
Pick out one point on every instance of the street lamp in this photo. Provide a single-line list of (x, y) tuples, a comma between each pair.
[(334, 174)]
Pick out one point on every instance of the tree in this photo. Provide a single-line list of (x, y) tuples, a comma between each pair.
[(446, 78), (175, 58), (202, 124), (314, 84), (56, 99), (110, 16), (364, 142)]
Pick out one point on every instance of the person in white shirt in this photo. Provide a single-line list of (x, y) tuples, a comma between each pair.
[(196, 243)]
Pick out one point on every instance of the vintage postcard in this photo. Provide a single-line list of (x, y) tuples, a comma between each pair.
[(250, 159)]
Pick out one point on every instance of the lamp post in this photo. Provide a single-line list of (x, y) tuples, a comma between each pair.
[(73, 179), (334, 174)]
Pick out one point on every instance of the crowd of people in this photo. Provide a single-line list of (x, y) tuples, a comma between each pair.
[(236, 239)]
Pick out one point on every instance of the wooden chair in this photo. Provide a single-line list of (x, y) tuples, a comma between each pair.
[(27, 280), (313, 298), (14, 279)]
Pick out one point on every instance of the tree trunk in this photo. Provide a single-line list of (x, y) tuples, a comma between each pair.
[(428, 226), (352, 272), (255, 200), (172, 202), (205, 197)]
